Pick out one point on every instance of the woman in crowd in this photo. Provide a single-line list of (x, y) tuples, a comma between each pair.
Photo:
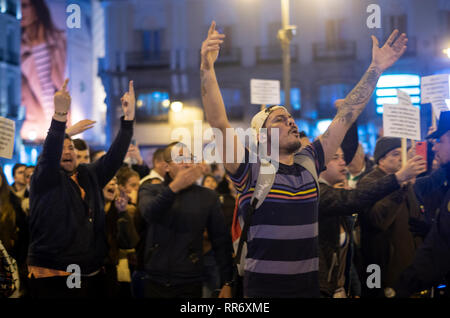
[(13, 230), (128, 181), (122, 237)]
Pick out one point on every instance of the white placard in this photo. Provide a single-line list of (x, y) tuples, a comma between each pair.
[(403, 98), (401, 121), (265, 92), (7, 131), (435, 87), (439, 105)]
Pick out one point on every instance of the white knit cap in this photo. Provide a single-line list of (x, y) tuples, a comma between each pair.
[(260, 118)]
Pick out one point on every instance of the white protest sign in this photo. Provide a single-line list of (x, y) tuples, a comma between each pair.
[(404, 98), (435, 87), (265, 92), (401, 120), (7, 131), (439, 105)]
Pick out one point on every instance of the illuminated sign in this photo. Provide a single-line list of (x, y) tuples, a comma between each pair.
[(386, 90), (322, 125)]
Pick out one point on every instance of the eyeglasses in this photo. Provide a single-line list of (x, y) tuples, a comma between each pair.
[(183, 159)]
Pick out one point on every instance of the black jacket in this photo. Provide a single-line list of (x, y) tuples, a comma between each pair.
[(64, 228), (334, 205), (432, 260), (175, 223)]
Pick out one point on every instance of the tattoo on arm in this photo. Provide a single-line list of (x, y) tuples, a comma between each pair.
[(357, 99), (203, 83)]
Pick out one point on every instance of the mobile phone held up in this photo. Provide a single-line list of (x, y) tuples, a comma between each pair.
[(421, 149)]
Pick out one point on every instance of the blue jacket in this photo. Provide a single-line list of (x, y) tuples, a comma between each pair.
[(174, 226), (64, 228)]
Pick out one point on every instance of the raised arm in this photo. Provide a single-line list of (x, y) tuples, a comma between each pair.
[(107, 166), (47, 169), (356, 100), (212, 98)]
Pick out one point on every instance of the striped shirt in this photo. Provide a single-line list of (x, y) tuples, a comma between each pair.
[(42, 59), (282, 258)]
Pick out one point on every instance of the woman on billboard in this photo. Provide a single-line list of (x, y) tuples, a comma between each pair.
[(43, 64)]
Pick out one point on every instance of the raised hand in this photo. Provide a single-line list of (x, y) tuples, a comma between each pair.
[(62, 101), (121, 201), (185, 178), (134, 153), (392, 50), (211, 47), (412, 169), (80, 127), (129, 103)]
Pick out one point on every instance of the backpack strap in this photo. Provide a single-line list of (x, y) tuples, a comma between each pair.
[(310, 165), (266, 177)]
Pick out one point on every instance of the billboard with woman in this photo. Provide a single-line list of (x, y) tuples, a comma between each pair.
[(43, 66)]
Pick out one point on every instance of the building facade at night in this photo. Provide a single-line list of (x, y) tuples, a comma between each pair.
[(10, 77), (157, 44)]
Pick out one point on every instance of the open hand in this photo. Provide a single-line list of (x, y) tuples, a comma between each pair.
[(186, 178), (80, 127), (211, 47), (386, 56)]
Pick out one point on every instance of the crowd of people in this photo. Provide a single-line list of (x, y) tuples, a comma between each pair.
[(311, 228)]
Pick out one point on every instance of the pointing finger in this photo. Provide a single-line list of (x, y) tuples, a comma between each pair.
[(212, 28), (131, 88), (64, 87)]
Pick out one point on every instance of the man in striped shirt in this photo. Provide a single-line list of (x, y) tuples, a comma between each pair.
[(282, 258)]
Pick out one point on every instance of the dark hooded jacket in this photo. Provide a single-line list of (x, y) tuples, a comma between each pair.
[(64, 228)]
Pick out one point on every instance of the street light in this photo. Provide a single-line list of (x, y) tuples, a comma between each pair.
[(285, 35), (166, 103), (447, 52), (176, 107)]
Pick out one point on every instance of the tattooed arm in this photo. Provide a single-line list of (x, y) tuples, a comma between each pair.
[(212, 98), (356, 100)]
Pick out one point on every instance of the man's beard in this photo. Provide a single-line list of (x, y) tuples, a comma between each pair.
[(67, 172), (293, 147)]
